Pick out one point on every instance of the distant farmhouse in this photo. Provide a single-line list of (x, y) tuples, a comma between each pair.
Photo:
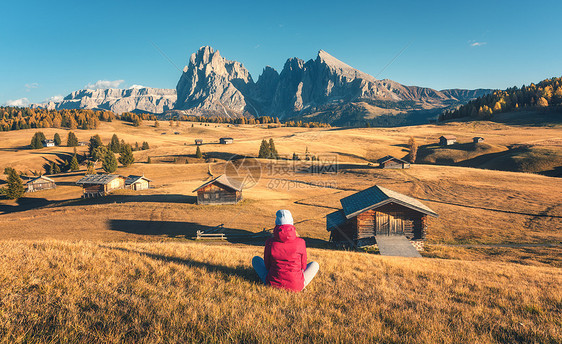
[(392, 162), (447, 140), (137, 182), (220, 190), (40, 183), (100, 184), (48, 143), (83, 143), (226, 140), (375, 213), (477, 139), (198, 142)]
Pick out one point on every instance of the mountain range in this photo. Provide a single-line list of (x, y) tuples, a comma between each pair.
[(323, 89)]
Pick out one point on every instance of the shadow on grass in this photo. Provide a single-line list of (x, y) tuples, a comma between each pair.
[(245, 273), (24, 204), (156, 198), (188, 230)]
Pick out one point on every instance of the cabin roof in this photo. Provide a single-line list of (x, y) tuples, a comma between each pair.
[(99, 179), (478, 137), (390, 157), (335, 219), (40, 177), (226, 138), (449, 137), (224, 181), (133, 179), (377, 196)]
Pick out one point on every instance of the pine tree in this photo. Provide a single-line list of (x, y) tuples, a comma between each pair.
[(126, 157), (145, 145), (95, 142), (57, 139), (413, 149), (91, 168), (72, 140), (15, 188), (37, 140), (74, 166), (198, 153), (109, 164), (273, 154), (114, 144), (55, 169), (156, 124), (265, 151), (148, 161)]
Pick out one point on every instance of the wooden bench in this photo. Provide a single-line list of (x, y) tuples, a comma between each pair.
[(212, 236)]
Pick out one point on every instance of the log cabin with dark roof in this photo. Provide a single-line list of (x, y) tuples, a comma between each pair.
[(447, 140), (220, 190), (100, 184), (390, 162), (477, 139), (40, 183), (377, 211)]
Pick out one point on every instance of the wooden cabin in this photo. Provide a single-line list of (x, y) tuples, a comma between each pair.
[(392, 162), (48, 143), (221, 190), (226, 140), (137, 183), (198, 142), (447, 140), (374, 212), (100, 184), (477, 139), (40, 183), (83, 143)]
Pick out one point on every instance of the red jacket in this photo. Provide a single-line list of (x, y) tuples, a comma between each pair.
[(285, 258)]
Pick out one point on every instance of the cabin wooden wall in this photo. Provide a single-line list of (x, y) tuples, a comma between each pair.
[(140, 185), (40, 185), (117, 183), (214, 194)]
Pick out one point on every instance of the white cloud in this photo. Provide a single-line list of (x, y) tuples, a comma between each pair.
[(473, 43), (30, 86), (104, 84), (18, 102), (137, 86), (56, 98)]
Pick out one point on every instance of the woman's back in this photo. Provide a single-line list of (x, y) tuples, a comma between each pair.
[(285, 258)]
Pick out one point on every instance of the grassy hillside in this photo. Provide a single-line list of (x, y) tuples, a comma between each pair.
[(149, 293)]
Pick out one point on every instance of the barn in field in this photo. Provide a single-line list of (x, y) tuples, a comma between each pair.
[(40, 183), (221, 190), (391, 162), (377, 212), (226, 140), (137, 183), (447, 140), (477, 139), (100, 184)]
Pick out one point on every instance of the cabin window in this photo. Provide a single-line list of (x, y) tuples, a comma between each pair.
[(206, 196)]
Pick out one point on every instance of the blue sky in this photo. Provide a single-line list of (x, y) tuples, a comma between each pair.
[(51, 49)]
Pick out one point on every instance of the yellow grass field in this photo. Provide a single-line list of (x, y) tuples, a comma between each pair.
[(124, 268)]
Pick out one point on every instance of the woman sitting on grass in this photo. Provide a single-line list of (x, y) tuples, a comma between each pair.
[(284, 264)]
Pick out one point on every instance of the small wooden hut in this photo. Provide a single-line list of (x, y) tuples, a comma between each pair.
[(477, 139), (447, 140), (391, 162), (40, 183), (374, 212), (137, 183), (198, 142), (100, 184), (48, 143), (221, 190), (226, 140)]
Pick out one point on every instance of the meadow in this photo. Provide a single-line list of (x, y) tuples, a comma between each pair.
[(124, 268)]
